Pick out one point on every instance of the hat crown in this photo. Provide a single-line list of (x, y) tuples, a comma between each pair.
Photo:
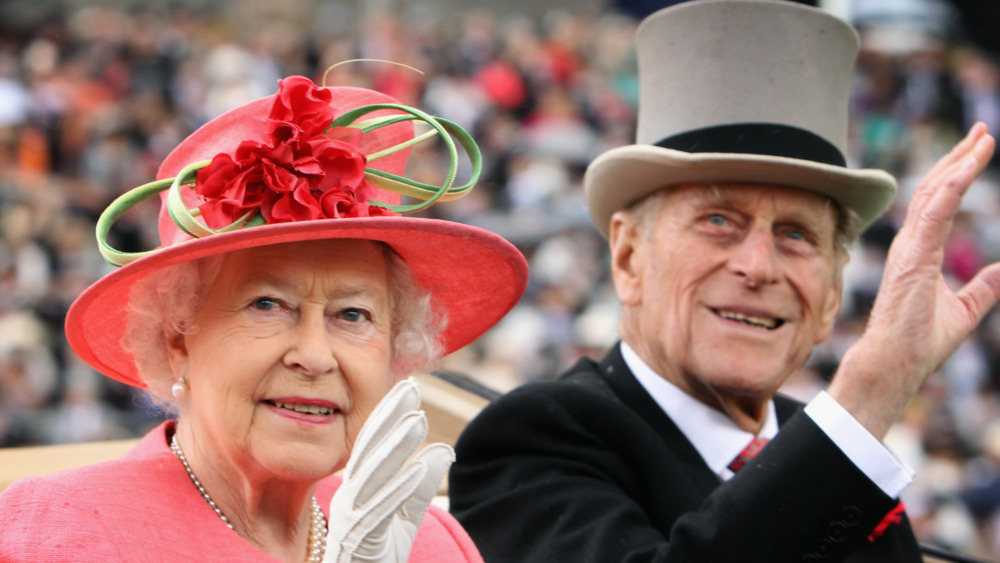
[(711, 63), (745, 91), (249, 123)]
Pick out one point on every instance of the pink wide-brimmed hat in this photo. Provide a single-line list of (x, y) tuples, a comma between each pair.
[(307, 163)]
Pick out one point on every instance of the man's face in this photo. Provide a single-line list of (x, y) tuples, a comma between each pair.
[(728, 287)]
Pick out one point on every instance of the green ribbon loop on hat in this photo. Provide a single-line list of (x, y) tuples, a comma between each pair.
[(428, 194), (405, 186), (118, 207)]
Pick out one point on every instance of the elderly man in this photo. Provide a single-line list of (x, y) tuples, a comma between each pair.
[(728, 223)]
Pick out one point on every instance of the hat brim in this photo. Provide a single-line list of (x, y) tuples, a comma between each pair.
[(474, 277), (624, 175)]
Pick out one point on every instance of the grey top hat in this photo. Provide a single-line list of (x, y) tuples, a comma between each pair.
[(749, 91)]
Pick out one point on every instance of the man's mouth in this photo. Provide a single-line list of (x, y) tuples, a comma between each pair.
[(769, 323), (303, 408)]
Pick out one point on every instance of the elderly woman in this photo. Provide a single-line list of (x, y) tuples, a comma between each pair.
[(288, 298)]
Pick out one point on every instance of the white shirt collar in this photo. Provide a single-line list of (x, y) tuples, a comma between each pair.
[(716, 437)]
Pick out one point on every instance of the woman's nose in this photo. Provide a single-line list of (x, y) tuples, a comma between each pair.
[(310, 351)]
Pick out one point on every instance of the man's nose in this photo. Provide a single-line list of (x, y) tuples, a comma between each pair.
[(754, 259)]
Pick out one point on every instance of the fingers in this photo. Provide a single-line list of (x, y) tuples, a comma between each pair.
[(388, 522), (981, 293), (938, 199), (960, 174), (410, 494), (945, 165), (390, 454), (436, 459), (403, 398)]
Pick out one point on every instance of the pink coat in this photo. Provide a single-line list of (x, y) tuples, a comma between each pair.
[(143, 507)]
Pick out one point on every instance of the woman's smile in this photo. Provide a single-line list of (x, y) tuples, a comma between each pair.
[(315, 412)]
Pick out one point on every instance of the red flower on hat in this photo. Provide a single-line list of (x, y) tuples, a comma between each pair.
[(302, 172)]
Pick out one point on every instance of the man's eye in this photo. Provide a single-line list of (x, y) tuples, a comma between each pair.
[(264, 304), (717, 219), (796, 235)]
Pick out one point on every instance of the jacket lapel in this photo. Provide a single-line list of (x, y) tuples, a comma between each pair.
[(630, 392), (785, 408)]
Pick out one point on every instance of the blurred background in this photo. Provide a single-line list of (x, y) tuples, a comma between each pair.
[(93, 95)]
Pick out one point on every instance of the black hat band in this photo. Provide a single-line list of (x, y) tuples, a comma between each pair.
[(766, 139)]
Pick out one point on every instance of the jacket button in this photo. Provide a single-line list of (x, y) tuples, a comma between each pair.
[(837, 532), (852, 515)]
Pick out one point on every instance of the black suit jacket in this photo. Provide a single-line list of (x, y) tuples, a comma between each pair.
[(588, 468)]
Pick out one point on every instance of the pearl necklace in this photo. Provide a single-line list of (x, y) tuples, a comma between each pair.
[(317, 525)]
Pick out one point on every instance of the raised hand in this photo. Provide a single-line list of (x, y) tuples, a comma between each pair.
[(375, 513), (917, 321)]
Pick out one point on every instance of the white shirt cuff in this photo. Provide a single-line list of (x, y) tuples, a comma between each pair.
[(872, 457)]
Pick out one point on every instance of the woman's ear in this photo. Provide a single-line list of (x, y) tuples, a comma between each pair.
[(177, 354), (624, 238)]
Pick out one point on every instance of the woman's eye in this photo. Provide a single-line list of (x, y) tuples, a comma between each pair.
[(796, 235), (264, 304), (354, 315)]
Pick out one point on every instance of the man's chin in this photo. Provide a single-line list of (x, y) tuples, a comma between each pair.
[(742, 381)]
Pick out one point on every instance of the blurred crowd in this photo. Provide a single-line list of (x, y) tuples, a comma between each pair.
[(93, 97)]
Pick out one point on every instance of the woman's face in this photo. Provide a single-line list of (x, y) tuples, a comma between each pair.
[(286, 358)]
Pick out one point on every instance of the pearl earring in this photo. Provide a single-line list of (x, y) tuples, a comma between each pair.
[(180, 388)]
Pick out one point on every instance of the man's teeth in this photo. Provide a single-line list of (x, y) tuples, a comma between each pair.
[(305, 409), (754, 321)]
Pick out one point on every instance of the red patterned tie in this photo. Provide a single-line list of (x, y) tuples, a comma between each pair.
[(748, 453)]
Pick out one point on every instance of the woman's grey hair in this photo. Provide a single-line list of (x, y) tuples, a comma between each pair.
[(163, 306)]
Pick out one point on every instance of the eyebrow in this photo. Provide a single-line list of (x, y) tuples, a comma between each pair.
[(268, 280), (714, 196)]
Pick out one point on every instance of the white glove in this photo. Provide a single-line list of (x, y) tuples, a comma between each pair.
[(375, 513)]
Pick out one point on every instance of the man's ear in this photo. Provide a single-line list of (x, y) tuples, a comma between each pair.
[(624, 238)]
